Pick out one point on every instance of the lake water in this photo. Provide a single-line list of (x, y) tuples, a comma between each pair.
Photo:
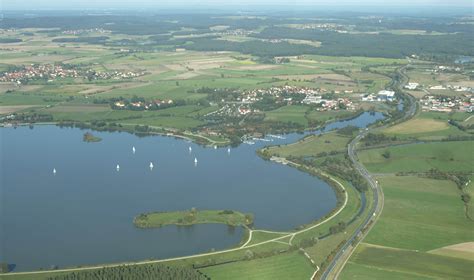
[(83, 214)]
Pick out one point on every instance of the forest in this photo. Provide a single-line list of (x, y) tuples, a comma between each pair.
[(143, 272)]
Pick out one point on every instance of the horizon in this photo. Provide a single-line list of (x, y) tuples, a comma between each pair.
[(217, 5)]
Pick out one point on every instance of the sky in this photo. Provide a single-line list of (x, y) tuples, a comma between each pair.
[(137, 4)]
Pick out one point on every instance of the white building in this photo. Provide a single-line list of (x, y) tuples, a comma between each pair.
[(386, 95), (412, 86), (312, 99)]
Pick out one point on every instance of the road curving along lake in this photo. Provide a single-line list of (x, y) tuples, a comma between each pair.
[(82, 213)]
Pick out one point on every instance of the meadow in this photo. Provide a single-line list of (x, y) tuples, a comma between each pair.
[(371, 262), (445, 156)]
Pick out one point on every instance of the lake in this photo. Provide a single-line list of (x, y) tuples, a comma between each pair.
[(83, 214)]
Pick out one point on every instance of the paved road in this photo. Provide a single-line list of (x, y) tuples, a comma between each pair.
[(378, 201)]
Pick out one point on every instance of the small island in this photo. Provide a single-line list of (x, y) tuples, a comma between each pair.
[(191, 217), (89, 137)]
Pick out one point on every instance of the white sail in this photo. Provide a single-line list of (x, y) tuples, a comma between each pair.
[(133, 149), (118, 167), (228, 150), (195, 160), (54, 170), (190, 149), (151, 165)]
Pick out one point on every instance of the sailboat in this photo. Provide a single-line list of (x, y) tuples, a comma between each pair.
[(54, 171), (215, 147), (190, 149), (151, 165), (195, 160), (133, 149), (118, 167), (228, 150)]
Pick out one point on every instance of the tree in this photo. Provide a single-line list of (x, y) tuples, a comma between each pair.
[(465, 197), (4, 267), (386, 154)]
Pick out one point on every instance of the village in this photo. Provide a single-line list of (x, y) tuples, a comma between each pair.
[(139, 104), (448, 104), (251, 101), (52, 72)]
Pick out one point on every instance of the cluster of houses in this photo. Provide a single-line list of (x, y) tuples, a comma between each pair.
[(232, 110), (284, 93), (447, 104), (85, 31), (412, 86), (236, 32), (50, 72), (37, 72), (382, 96), (442, 68), (329, 104), (453, 87), (142, 105), (113, 75), (322, 26)]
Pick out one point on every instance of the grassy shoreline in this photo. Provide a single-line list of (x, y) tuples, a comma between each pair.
[(192, 217)]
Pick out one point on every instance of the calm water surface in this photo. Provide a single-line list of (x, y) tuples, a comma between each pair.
[(83, 214)]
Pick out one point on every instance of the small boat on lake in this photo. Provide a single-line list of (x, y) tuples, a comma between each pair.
[(118, 167)]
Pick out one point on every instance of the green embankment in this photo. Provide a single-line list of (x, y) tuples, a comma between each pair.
[(191, 217)]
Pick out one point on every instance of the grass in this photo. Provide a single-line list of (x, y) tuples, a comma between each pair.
[(258, 236), (329, 115), (285, 266), (447, 251), (192, 217), (312, 146), (416, 265), (291, 113), (427, 126), (356, 271), (445, 156), (420, 214), (418, 125)]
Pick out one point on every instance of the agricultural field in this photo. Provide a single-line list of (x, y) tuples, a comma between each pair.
[(420, 214), (285, 266), (178, 76), (374, 262), (445, 156), (426, 126), (227, 80)]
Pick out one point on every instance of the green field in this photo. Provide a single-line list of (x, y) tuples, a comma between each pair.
[(420, 214), (370, 262), (285, 266), (293, 113), (312, 146), (445, 156), (355, 271)]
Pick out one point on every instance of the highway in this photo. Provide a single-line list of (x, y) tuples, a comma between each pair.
[(342, 256)]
